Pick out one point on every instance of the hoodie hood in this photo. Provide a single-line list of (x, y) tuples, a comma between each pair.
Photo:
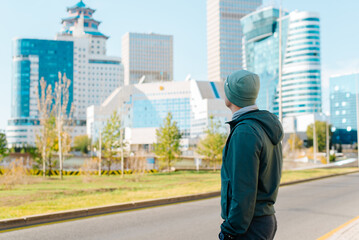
[(269, 122)]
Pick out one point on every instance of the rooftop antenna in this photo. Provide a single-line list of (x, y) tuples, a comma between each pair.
[(142, 79), (188, 78)]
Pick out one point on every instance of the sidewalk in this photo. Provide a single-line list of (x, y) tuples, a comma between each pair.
[(347, 231)]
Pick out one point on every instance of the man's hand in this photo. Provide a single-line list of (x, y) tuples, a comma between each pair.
[(224, 236)]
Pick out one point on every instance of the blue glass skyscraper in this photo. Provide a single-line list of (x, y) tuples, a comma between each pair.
[(343, 90), (301, 70), (34, 59)]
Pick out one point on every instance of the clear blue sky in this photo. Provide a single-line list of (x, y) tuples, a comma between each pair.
[(185, 19)]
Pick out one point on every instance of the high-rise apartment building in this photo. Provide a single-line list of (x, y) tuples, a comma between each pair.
[(148, 57), (96, 75), (79, 51), (343, 118), (224, 35), (301, 68)]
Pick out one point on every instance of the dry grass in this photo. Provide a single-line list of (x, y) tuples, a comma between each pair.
[(52, 195), (16, 174), (88, 170)]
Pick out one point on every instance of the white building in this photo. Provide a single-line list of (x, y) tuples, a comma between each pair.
[(96, 75), (224, 35), (143, 108), (148, 57)]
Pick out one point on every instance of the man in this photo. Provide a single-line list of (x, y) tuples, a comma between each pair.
[(252, 163)]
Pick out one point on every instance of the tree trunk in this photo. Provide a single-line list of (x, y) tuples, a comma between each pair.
[(43, 162), (108, 167), (168, 166), (50, 167)]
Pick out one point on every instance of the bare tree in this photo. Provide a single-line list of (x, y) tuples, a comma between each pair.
[(44, 102), (138, 163), (63, 109)]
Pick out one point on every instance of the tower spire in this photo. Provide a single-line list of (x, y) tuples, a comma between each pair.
[(79, 29)]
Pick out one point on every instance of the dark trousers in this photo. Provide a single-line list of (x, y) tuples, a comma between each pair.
[(261, 228)]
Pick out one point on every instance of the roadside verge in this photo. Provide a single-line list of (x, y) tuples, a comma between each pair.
[(14, 223)]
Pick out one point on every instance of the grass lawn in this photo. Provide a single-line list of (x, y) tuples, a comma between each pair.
[(52, 195)]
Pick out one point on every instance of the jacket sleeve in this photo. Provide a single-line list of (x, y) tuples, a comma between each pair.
[(243, 167)]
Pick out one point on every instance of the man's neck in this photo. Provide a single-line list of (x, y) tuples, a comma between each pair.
[(234, 108), (243, 110)]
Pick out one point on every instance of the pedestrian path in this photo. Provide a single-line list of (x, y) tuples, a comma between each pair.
[(347, 231)]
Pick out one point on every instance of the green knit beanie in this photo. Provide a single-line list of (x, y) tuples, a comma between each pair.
[(242, 87)]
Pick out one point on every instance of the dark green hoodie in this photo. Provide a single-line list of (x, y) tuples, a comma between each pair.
[(251, 169)]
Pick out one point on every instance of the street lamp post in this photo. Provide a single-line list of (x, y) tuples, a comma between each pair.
[(280, 65), (121, 144), (314, 142), (99, 154), (357, 106), (327, 142)]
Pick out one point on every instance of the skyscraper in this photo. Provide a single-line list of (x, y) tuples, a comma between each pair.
[(79, 51), (96, 75), (224, 35), (343, 118), (301, 79), (147, 56), (32, 60)]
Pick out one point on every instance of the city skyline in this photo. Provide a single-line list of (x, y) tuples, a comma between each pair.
[(79, 51), (190, 44)]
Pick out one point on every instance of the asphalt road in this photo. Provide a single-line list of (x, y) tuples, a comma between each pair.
[(304, 211)]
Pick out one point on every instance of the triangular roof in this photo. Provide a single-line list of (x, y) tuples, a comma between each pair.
[(80, 4)]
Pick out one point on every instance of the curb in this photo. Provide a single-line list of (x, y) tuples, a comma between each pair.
[(87, 212), (317, 178)]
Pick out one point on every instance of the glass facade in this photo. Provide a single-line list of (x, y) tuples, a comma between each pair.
[(343, 91), (49, 57), (225, 35), (301, 74), (151, 113), (260, 50), (149, 55)]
